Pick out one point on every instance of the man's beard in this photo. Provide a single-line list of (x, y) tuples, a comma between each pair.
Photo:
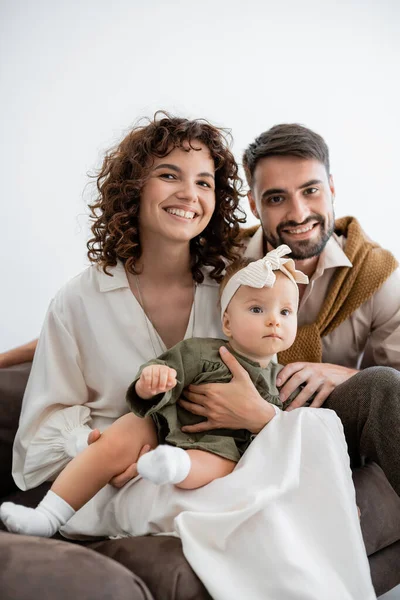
[(303, 249)]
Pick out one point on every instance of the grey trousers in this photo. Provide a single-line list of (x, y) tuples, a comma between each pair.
[(368, 405)]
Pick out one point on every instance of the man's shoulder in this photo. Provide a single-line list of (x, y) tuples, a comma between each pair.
[(349, 229)]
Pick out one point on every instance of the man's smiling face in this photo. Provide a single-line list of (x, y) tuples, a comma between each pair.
[(292, 197)]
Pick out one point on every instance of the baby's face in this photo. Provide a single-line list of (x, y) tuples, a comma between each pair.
[(261, 322)]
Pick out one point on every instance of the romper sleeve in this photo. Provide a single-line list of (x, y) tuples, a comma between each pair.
[(185, 358), (54, 421)]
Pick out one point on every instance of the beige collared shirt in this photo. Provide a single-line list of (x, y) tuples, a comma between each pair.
[(371, 335), (94, 339)]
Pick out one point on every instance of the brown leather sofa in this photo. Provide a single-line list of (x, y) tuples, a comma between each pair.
[(148, 568)]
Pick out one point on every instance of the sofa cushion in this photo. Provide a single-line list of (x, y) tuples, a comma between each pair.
[(33, 567), (380, 508), (379, 504), (385, 569), (167, 574), (12, 386)]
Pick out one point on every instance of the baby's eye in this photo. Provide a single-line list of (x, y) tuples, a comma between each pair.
[(256, 310), (285, 312)]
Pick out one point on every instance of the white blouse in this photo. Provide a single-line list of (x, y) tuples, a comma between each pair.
[(93, 341)]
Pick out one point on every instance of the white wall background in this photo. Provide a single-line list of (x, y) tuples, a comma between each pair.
[(75, 75)]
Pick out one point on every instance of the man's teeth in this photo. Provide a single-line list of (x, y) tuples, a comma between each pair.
[(301, 229), (187, 214)]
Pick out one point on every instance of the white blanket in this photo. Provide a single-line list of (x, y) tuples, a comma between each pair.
[(282, 526)]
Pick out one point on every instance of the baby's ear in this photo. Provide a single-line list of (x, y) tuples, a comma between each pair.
[(226, 325)]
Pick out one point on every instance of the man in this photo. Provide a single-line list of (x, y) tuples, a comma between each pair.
[(349, 313), (292, 193)]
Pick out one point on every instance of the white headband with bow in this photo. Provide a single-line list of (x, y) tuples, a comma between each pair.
[(260, 273)]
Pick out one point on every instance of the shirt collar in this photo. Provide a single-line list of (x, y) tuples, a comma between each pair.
[(331, 257), (116, 281), (255, 247)]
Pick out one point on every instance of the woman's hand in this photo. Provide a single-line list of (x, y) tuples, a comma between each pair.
[(120, 480), (318, 378), (233, 405)]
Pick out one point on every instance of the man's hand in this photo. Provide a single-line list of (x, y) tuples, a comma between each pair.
[(233, 405), (318, 378), (18, 355), (155, 379), (120, 480)]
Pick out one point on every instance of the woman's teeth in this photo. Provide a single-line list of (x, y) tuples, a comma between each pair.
[(187, 214)]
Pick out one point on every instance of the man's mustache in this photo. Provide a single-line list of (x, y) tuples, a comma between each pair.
[(295, 225)]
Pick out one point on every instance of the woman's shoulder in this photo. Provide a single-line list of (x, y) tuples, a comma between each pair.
[(89, 285)]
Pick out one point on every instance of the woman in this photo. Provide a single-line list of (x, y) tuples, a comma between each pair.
[(109, 320), (165, 221)]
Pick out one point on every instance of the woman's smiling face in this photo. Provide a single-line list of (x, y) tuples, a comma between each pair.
[(178, 199)]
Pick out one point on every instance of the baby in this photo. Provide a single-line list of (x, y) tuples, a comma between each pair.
[(259, 301)]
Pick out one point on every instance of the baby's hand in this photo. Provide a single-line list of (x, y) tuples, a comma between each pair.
[(155, 379)]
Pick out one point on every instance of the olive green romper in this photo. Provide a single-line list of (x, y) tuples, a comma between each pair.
[(196, 361)]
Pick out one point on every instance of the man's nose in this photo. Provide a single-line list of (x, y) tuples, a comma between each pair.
[(298, 210)]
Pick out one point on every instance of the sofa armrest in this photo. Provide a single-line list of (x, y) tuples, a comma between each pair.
[(13, 381)]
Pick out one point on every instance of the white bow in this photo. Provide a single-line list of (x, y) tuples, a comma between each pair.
[(260, 273)]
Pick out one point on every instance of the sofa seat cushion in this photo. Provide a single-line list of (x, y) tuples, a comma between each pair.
[(34, 567), (380, 508), (159, 562)]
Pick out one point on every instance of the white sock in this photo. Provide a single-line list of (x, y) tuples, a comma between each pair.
[(165, 464), (44, 520)]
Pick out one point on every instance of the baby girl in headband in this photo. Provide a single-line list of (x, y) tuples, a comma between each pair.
[(259, 301)]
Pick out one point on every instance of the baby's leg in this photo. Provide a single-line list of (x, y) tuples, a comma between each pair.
[(116, 449), (205, 467), (188, 470)]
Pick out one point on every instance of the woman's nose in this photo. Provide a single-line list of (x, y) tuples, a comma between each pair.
[(187, 192)]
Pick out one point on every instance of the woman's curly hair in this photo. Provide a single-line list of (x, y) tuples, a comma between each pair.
[(115, 212)]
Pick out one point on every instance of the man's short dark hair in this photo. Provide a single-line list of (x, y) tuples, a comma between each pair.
[(288, 139)]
